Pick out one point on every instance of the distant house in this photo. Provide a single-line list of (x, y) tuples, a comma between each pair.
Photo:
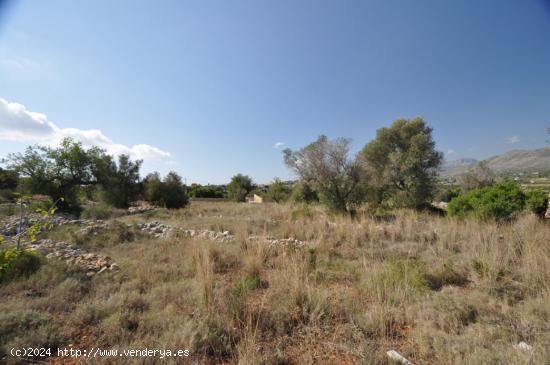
[(256, 199)]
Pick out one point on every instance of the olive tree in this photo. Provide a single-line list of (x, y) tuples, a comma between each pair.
[(402, 163), (121, 184), (327, 166), (478, 176), (169, 192), (239, 187)]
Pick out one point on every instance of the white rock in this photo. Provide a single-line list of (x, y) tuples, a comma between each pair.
[(396, 356), (524, 346)]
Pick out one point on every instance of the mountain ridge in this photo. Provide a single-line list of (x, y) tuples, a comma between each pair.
[(513, 161)]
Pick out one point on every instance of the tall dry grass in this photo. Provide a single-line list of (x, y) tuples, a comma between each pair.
[(438, 290)]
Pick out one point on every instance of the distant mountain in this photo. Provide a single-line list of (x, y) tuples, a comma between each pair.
[(463, 162), (509, 162)]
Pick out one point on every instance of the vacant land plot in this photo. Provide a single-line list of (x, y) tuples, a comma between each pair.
[(281, 284)]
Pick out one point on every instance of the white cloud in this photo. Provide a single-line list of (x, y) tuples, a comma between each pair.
[(512, 140), (21, 125), (450, 152), (278, 145)]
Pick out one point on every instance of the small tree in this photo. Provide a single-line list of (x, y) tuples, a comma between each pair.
[(175, 193), (326, 165), (169, 192), (402, 163), (121, 183), (18, 261), (239, 187)]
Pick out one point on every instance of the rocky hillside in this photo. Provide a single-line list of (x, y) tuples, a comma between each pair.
[(513, 161)]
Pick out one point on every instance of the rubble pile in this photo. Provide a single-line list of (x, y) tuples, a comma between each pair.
[(272, 241), (155, 229), (224, 236), (9, 226), (91, 263)]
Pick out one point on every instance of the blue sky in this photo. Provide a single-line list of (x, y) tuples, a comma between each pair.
[(208, 88)]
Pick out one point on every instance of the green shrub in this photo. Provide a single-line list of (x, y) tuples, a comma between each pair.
[(43, 205), (124, 233), (399, 281), (277, 191), (249, 283), (13, 323), (536, 201), (100, 211), (447, 193), (410, 272), (206, 191), (15, 263), (303, 193), (302, 211), (498, 201)]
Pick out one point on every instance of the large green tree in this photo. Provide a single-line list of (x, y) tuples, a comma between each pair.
[(326, 165), (402, 163), (60, 171), (239, 187)]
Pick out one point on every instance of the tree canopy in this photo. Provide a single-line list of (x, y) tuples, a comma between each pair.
[(169, 192), (58, 172), (61, 171), (402, 162), (239, 187), (122, 183), (326, 165)]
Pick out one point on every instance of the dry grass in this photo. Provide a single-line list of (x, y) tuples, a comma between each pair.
[(439, 291)]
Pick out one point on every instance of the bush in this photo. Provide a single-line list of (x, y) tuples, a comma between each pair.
[(207, 191), (100, 211), (303, 193), (447, 193), (277, 191), (28, 328), (40, 204), (16, 263), (499, 201), (536, 201)]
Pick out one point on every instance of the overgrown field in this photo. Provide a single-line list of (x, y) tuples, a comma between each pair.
[(437, 290)]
